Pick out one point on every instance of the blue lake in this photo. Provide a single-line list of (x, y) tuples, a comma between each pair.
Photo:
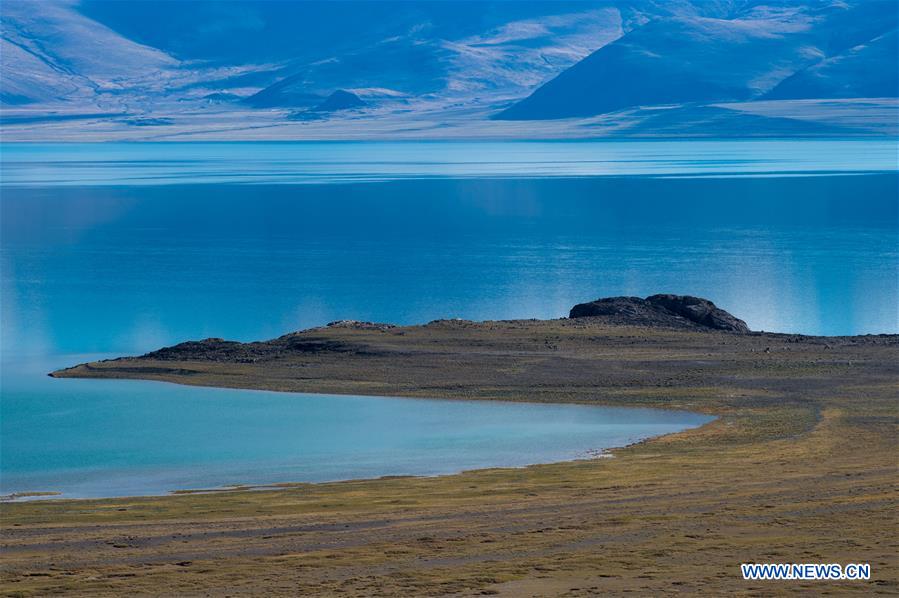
[(122, 248), (91, 438)]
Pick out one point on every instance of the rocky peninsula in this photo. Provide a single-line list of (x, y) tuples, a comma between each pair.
[(350, 338)]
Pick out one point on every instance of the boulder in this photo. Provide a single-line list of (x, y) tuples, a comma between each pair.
[(679, 311)]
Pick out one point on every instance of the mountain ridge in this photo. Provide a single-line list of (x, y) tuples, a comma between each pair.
[(672, 60), (101, 70)]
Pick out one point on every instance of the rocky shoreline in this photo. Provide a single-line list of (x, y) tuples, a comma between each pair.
[(344, 339)]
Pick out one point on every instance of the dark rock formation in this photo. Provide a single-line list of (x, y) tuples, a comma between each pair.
[(679, 311), (219, 350), (700, 311), (210, 349)]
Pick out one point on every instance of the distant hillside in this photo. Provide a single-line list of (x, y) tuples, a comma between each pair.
[(782, 51), (249, 69), (869, 70)]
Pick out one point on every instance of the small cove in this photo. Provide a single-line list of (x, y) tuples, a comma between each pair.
[(105, 438)]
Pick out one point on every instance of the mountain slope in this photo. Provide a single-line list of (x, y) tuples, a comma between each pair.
[(870, 70), (684, 59), (52, 53), (506, 57), (106, 69)]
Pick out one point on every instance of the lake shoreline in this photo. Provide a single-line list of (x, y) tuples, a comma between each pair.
[(800, 460), (587, 453)]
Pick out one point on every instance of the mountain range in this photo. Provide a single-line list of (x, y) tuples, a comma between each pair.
[(189, 69)]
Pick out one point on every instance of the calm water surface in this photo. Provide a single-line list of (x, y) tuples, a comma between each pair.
[(103, 253), (90, 438)]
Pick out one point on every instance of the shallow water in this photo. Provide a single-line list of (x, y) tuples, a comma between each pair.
[(126, 268), (91, 438)]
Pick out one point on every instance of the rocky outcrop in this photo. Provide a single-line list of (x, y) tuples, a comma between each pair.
[(222, 351), (678, 311), (358, 325)]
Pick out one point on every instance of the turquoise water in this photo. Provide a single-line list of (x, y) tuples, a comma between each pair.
[(103, 253), (91, 438)]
